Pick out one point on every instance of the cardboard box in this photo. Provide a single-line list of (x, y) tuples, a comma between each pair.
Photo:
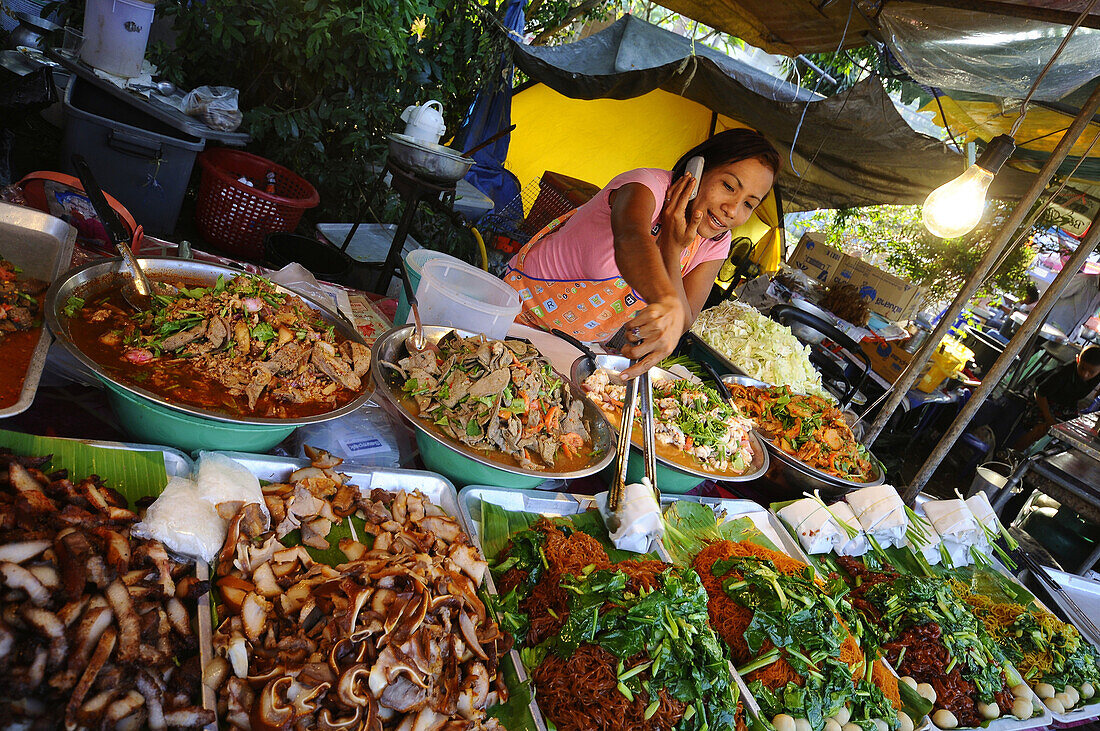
[(813, 256), (890, 296), (887, 359)]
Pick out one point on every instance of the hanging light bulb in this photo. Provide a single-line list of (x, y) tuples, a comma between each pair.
[(955, 207)]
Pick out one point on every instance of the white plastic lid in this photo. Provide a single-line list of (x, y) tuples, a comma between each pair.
[(469, 286)]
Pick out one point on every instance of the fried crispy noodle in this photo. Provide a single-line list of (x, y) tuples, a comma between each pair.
[(888, 682), (581, 693), (548, 604)]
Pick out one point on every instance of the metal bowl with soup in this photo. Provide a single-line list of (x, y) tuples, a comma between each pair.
[(225, 356), (490, 411), (698, 436)]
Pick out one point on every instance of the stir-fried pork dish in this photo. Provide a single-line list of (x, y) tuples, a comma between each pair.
[(501, 397), (95, 630), (20, 306), (692, 424), (20, 318), (240, 346)]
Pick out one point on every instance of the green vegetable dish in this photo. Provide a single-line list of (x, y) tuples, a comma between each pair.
[(624, 646)]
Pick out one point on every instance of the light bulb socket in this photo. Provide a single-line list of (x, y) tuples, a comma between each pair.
[(996, 153)]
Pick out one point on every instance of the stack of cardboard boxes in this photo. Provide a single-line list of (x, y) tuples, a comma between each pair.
[(889, 296)]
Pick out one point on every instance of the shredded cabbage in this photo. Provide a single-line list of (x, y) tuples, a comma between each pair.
[(760, 347)]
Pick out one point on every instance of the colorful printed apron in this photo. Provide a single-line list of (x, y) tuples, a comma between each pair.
[(591, 310)]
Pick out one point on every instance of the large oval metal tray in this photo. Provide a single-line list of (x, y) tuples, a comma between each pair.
[(96, 277), (390, 348), (798, 473), (584, 366)]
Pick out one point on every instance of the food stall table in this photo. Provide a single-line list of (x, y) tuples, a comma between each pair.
[(1073, 479)]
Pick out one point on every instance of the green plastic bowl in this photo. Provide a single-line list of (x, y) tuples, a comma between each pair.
[(462, 470), (668, 479), (151, 423)]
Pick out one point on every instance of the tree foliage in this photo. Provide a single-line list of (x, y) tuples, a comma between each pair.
[(322, 82), (909, 251)]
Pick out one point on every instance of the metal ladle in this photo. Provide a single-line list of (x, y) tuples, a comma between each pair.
[(416, 340), (138, 290)]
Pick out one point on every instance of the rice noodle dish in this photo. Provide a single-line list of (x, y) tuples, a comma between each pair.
[(690, 419)]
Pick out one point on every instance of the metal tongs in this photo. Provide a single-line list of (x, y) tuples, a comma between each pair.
[(1039, 571), (639, 394)]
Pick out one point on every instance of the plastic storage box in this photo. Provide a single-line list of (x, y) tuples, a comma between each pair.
[(455, 294), (138, 159)]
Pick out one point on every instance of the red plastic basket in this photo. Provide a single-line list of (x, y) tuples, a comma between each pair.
[(236, 217)]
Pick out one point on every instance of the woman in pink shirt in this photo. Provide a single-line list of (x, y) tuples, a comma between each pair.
[(644, 249)]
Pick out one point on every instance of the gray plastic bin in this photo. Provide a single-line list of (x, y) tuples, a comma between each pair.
[(135, 157)]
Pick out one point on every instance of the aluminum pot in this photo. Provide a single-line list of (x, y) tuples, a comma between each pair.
[(100, 275), (31, 31), (435, 162), (799, 476)]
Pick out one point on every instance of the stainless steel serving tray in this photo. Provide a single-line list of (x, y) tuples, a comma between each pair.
[(800, 475), (1009, 723), (1090, 711), (391, 348), (584, 366), (435, 487), (43, 247), (772, 528), (94, 278)]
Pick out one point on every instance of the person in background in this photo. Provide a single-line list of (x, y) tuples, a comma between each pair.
[(1062, 394), (642, 250), (1078, 303)]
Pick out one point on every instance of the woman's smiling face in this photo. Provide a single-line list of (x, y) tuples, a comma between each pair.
[(729, 193)]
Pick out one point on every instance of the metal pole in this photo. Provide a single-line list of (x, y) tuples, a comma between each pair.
[(912, 373), (991, 380)]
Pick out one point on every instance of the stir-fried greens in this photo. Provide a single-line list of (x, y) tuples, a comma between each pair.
[(689, 417), (239, 346), (807, 427), (929, 634), (501, 397), (620, 646), (1043, 648)]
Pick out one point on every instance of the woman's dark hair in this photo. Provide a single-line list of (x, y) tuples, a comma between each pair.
[(1091, 355), (733, 145), (1032, 294)]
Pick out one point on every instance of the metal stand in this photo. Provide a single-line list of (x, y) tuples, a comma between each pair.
[(413, 189)]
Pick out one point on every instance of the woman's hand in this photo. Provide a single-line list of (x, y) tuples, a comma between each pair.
[(677, 230), (653, 334)]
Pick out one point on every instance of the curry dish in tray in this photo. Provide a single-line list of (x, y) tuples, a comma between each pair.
[(239, 346), (20, 323)]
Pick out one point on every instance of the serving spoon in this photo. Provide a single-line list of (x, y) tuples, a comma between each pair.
[(138, 289), (416, 340)]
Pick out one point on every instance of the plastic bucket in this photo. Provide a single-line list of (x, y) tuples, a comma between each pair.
[(115, 35), (990, 478), (414, 264), (456, 294)]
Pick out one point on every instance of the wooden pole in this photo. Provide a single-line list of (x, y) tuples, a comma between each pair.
[(997, 371), (1004, 237)]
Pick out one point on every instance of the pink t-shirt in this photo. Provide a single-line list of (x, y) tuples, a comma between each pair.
[(584, 247)]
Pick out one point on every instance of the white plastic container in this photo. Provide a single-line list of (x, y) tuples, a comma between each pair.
[(453, 293), (425, 123), (116, 33), (414, 265)]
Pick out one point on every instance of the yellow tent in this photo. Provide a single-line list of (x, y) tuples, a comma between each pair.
[(595, 140)]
